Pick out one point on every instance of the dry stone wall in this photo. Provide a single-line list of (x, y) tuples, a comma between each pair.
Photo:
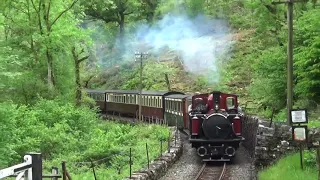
[(159, 166), (267, 143)]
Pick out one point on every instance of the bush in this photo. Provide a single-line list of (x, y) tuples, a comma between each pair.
[(60, 131)]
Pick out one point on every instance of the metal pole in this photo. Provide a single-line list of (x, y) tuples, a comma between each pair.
[(301, 158), (140, 101), (290, 60)]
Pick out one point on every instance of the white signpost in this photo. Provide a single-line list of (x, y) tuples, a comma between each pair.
[(299, 116), (299, 132)]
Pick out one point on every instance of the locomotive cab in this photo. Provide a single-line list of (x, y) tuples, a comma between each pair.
[(215, 126)]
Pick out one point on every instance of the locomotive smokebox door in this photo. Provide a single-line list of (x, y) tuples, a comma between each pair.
[(217, 126)]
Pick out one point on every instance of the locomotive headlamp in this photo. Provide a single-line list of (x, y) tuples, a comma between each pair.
[(217, 107)]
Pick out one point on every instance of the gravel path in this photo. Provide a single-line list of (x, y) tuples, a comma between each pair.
[(187, 167), (241, 168)]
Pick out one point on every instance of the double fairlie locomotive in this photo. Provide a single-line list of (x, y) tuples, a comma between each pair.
[(213, 120), (215, 126)]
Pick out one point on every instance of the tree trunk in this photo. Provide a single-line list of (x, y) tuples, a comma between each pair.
[(121, 25), (150, 16), (78, 84), (77, 62), (51, 80)]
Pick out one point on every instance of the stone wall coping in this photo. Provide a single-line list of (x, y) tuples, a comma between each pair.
[(160, 165)]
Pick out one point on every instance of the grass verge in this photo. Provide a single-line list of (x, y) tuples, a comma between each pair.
[(288, 168)]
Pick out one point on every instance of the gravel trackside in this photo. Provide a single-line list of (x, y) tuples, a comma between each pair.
[(187, 167)]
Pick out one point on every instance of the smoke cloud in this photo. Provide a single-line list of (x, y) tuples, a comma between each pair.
[(198, 41)]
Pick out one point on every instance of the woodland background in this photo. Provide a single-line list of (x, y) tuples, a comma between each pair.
[(51, 50)]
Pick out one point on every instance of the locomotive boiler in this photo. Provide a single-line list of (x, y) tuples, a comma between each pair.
[(215, 126)]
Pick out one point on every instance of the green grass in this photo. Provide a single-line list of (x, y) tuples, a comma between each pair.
[(113, 153), (288, 168)]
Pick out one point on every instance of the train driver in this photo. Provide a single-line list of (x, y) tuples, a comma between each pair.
[(190, 106)]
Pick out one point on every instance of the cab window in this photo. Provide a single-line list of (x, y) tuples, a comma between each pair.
[(230, 101)]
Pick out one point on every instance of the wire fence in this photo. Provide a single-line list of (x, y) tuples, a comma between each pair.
[(92, 164)]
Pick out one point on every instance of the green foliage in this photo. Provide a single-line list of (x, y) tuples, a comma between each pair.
[(153, 76), (36, 41), (310, 158), (269, 84), (288, 168), (60, 131), (307, 55)]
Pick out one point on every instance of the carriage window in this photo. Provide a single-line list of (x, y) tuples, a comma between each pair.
[(143, 100), (167, 104), (230, 102), (175, 106), (152, 101)]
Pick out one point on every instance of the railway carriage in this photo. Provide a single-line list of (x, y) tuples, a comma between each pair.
[(153, 103), (100, 98), (176, 110), (121, 102), (126, 102)]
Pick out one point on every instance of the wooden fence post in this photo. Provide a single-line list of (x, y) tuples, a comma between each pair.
[(147, 155), (64, 171), (94, 172), (161, 148), (36, 165), (54, 171), (130, 163), (169, 142)]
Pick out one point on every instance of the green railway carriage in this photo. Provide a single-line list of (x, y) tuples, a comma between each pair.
[(176, 110)]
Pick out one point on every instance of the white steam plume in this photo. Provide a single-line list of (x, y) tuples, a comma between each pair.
[(199, 41)]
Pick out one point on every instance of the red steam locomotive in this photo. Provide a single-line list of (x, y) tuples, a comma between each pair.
[(215, 126), (214, 122)]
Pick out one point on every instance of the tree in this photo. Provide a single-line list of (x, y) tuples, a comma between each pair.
[(77, 61), (149, 9), (112, 11), (45, 24), (39, 35), (307, 55)]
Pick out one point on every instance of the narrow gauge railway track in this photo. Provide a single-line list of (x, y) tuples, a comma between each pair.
[(208, 172)]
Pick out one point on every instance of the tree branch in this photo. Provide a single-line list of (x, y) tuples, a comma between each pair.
[(55, 20), (34, 6), (48, 11), (82, 59), (128, 13)]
